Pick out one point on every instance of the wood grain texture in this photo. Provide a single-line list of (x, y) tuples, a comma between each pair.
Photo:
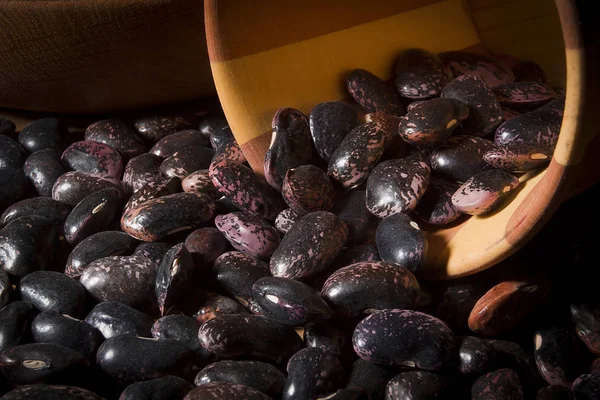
[(95, 56)]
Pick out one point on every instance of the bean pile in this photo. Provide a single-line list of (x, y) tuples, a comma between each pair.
[(146, 260)]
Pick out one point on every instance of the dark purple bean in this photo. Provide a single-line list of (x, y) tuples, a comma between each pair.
[(245, 189), (42, 362), (74, 186), (157, 218), (435, 207), (112, 319), (206, 245), (43, 168), (166, 388), (50, 392), (370, 377), (511, 355), (310, 246), (140, 171), (94, 158), (541, 126), (553, 354), (463, 63), (351, 208), (200, 182), (285, 220), (484, 192), (373, 93), (401, 241), (249, 234), (13, 187), (45, 133), (53, 291), (183, 162), (15, 320), (312, 372), (396, 186), (217, 130), (99, 245), (528, 71), (174, 277), (291, 145), (7, 127), (181, 328), (250, 335), (485, 113), (587, 386), (524, 94), (54, 211), (230, 151), (53, 327), (28, 244), (369, 287), (404, 337), (508, 113), (236, 272), (306, 189), (430, 122), (475, 356), (519, 157), (357, 155), (100, 211), (129, 358), (460, 158), (175, 142), (330, 122), (554, 392), (224, 390), (127, 279), (117, 135), (152, 190), (212, 305), (502, 384), (288, 301), (12, 154), (156, 127), (419, 74), (255, 374), (418, 385)]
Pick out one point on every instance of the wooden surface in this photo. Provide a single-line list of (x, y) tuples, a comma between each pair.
[(301, 69), (101, 55)]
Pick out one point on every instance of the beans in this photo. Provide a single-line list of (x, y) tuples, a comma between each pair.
[(290, 145), (369, 287), (164, 388), (112, 319), (117, 135), (53, 291), (39, 362), (45, 133), (257, 375), (330, 122), (400, 337), (231, 286), (357, 155), (251, 335), (322, 232), (587, 325), (129, 359)]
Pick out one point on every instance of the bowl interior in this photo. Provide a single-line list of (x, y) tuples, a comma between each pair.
[(297, 56)]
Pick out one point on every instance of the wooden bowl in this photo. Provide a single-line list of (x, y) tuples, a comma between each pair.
[(271, 54), (101, 55)]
